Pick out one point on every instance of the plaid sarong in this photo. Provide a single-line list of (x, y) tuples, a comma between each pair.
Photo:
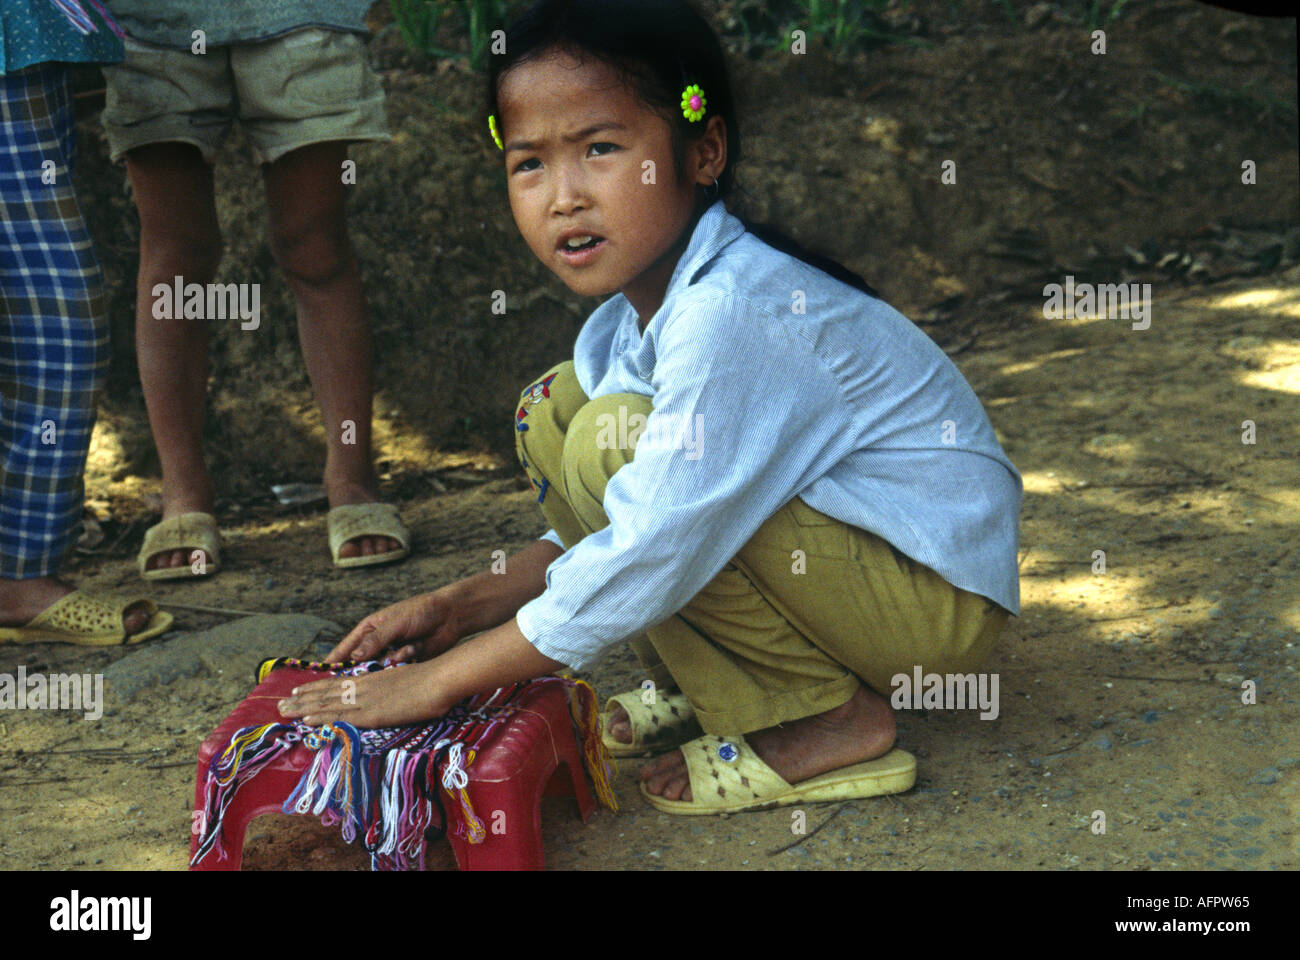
[(53, 325)]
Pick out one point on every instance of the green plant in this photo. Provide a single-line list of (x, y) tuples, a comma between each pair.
[(419, 21), (1094, 18), (846, 25), (1252, 94), (843, 25), (481, 18)]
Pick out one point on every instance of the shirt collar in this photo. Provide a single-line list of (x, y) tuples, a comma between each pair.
[(714, 230)]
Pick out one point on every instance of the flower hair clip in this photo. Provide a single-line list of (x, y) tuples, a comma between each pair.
[(496, 136), (693, 103)]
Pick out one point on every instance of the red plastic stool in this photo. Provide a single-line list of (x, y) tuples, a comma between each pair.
[(534, 754)]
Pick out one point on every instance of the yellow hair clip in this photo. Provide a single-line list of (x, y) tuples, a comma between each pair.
[(693, 103), (492, 125)]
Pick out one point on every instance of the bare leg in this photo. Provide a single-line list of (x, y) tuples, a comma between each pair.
[(179, 236), (309, 239)]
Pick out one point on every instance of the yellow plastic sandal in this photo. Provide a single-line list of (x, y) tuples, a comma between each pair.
[(668, 722), (727, 776), (187, 532), (87, 618), (367, 520)]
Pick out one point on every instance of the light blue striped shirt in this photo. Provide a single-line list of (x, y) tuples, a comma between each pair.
[(771, 380)]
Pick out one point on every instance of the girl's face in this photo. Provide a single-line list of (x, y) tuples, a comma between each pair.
[(585, 159)]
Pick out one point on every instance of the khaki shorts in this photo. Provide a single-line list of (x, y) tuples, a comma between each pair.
[(309, 86)]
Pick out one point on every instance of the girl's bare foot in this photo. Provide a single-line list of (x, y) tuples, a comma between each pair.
[(860, 730), (620, 725), (21, 601), (620, 728)]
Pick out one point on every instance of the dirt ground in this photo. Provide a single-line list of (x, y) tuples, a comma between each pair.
[(1121, 691)]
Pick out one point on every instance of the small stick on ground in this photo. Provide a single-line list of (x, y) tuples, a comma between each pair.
[(1132, 616), (122, 536), (1121, 676), (222, 610), (834, 814), (28, 783)]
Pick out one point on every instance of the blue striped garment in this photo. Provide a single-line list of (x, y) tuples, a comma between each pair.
[(846, 404), (53, 326)]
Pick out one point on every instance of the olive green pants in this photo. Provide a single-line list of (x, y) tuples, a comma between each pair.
[(806, 611)]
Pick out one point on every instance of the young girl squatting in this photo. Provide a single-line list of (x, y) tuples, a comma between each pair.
[(823, 505)]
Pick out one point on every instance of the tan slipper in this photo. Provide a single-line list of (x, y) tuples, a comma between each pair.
[(668, 722), (367, 520), (727, 776), (91, 619), (187, 532)]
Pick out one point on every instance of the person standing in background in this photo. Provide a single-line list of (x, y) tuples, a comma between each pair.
[(295, 76), (53, 331)]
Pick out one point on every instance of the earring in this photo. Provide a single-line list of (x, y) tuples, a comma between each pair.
[(717, 190)]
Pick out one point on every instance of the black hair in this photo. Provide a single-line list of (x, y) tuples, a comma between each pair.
[(658, 47)]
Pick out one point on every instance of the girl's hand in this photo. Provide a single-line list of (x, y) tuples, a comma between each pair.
[(420, 691), (418, 628), (388, 698)]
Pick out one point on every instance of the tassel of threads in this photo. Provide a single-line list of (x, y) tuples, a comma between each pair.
[(83, 22), (108, 20), (304, 794), (76, 16), (414, 814), (384, 784), (404, 816), (334, 787), (345, 795), (586, 717), (455, 780), (249, 751)]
